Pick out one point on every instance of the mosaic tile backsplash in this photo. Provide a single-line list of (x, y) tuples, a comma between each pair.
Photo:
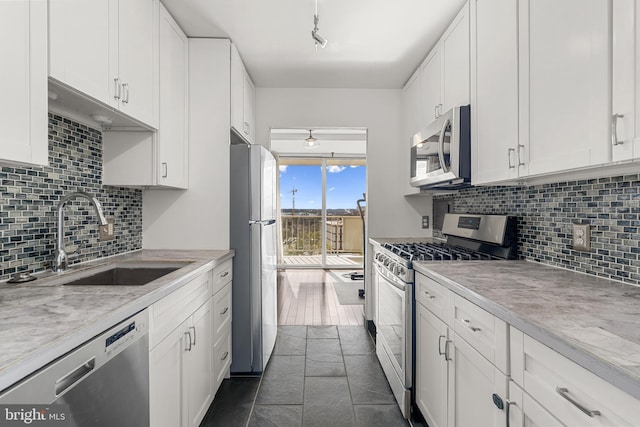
[(29, 199), (546, 214)]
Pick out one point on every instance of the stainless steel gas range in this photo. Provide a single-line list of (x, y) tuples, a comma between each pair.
[(468, 237)]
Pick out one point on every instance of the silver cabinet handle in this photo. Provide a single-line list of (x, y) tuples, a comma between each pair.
[(564, 392), (116, 88), (225, 274), (429, 295), (440, 352), (435, 111), (508, 410), (224, 357), (223, 312), (194, 334), (125, 91), (165, 169), (520, 162), (446, 350), (614, 129), (188, 333), (467, 323), (246, 128), (509, 151)]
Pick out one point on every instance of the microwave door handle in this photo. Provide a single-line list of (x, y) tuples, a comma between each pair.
[(441, 145)]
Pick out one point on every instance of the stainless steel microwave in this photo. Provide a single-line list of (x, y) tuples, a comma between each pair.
[(441, 152)]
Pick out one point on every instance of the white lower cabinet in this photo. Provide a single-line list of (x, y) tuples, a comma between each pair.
[(190, 342), (456, 385), (526, 412), (568, 392), (431, 367)]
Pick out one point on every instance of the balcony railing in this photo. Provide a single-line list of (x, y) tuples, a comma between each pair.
[(302, 235)]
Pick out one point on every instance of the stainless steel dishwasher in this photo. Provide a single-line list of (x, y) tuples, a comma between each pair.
[(104, 382)]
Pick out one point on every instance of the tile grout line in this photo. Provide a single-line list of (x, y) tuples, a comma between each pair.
[(346, 375), (253, 403)]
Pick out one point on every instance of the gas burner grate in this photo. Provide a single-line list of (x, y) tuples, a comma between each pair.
[(434, 252)]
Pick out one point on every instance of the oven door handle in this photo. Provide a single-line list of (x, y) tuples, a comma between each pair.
[(381, 272)]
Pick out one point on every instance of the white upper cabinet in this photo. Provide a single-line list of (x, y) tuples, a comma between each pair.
[(136, 72), (494, 90), (109, 54), (174, 87), (412, 122), (564, 72), (242, 98), (625, 56), (23, 105), (156, 159), (445, 71), (431, 91), (87, 72)]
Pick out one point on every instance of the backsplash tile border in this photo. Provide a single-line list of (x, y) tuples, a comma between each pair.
[(546, 213), (29, 198)]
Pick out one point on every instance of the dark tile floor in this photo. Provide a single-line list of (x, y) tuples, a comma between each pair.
[(317, 376)]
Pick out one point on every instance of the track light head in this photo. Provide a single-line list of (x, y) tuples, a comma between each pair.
[(317, 38)]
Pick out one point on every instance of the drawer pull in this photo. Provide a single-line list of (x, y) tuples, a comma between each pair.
[(467, 323), (188, 333), (564, 392), (223, 312), (225, 274), (194, 334), (440, 352), (446, 350), (429, 295), (224, 357)]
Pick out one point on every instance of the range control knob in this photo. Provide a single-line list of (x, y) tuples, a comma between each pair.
[(401, 271)]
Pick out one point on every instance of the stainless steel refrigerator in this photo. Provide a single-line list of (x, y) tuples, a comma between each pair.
[(253, 236)]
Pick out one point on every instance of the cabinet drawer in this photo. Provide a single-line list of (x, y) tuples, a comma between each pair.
[(222, 275), (432, 295), (222, 358), (172, 310), (222, 311), (486, 333), (555, 381), (526, 412)]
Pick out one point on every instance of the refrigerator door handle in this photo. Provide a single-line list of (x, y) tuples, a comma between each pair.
[(263, 222)]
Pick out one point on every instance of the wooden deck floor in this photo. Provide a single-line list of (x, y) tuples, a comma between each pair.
[(308, 297)]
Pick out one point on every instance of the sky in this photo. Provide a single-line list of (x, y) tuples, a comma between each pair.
[(345, 185)]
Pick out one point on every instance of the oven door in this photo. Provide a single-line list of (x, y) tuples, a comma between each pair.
[(394, 335)]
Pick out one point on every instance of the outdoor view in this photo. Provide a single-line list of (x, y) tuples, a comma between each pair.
[(301, 211)]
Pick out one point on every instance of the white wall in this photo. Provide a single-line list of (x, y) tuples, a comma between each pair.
[(379, 110), (198, 218), (389, 213)]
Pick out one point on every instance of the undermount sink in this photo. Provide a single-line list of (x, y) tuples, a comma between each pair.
[(124, 276)]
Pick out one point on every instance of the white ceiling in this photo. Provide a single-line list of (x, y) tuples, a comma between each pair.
[(333, 142), (372, 43)]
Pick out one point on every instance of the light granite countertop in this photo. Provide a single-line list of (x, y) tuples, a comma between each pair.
[(594, 322), (43, 319)]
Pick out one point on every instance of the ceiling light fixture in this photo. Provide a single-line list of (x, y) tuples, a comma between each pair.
[(317, 38), (311, 142)]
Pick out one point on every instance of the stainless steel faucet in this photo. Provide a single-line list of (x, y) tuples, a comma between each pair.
[(60, 256)]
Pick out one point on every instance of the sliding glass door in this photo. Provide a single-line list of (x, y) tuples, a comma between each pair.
[(320, 224)]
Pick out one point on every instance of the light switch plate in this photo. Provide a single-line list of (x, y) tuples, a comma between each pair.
[(425, 222), (107, 231), (581, 237)]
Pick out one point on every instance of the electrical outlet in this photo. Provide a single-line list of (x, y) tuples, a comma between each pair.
[(425, 222), (581, 237), (106, 231)]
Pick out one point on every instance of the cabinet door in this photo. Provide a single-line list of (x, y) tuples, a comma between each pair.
[(249, 96), (494, 90), (166, 379), (23, 106), (87, 72), (431, 367), (136, 68), (412, 120), (472, 382), (455, 62), (172, 135), (526, 412), (564, 61), (200, 364), (624, 144), (431, 83)]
